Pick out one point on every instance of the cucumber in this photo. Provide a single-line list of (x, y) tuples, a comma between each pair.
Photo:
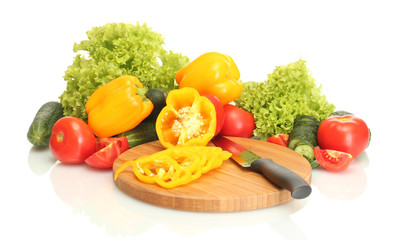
[(309, 118), (303, 137), (303, 133), (158, 98), (143, 133), (308, 152), (293, 142), (307, 123), (39, 132)]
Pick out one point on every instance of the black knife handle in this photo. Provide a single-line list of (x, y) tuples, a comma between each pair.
[(282, 177)]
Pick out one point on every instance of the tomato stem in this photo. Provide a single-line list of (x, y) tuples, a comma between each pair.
[(345, 119), (60, 137)]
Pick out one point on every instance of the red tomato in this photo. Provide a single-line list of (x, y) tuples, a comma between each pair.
[(219, 112), (348, 134), (280, 139), (108, 149), (238, 122), (103, 142), (72, 140), (333, 160)]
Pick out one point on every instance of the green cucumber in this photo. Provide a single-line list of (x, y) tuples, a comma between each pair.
[(143, 133), (309, 118), (306, 151), (293, 143), (303, 137), (307, 123), (303, 133), (158, 98), (39, 132)]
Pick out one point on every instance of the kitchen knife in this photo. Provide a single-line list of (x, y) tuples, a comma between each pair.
[(277, 174)]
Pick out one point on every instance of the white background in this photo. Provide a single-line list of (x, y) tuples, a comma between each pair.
[(350, 48)]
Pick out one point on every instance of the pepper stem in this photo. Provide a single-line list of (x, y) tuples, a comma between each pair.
[(141, 92)]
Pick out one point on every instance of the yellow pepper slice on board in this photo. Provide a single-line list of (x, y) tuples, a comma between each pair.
[(176, 166)]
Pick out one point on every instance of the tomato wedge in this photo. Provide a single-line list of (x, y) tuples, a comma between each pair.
[(333, 160), (103, 142), (107, 150), (280, 139)]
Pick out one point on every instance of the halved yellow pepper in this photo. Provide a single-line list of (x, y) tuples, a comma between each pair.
[(188, 119), (118, 106), (212, 73)]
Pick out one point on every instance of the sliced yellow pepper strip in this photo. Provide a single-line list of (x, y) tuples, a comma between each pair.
[(176, 166)]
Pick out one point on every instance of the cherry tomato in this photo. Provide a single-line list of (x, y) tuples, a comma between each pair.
[(280, 139), (348, 134), (333, 160), (219, 112), (72, 140), (238, 122), (108, 149)]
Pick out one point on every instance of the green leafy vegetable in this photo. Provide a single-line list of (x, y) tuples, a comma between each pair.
[(275, 103), (113, 50)]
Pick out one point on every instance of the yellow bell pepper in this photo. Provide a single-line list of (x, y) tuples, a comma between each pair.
[(118, 106), (212, 73), (176, 166)]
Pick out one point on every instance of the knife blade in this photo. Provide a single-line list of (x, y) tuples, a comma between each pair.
[(277, 174)]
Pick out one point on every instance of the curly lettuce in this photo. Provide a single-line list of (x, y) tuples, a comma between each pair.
[(113, 50), (288, 92)]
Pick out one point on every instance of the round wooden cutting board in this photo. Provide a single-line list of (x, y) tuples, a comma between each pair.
[(224, 189)]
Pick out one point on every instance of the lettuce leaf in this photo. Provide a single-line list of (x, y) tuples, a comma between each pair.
[(113, 50), (288, 92)]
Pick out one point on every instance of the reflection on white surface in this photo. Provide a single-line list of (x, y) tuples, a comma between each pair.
[(40, 160), (345, 185), (92, 193)]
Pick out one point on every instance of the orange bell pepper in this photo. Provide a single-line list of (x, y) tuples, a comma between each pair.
[(118, 106), (212, 73), (188, 119)]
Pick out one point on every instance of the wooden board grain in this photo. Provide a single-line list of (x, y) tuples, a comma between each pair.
[(225, 189)]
